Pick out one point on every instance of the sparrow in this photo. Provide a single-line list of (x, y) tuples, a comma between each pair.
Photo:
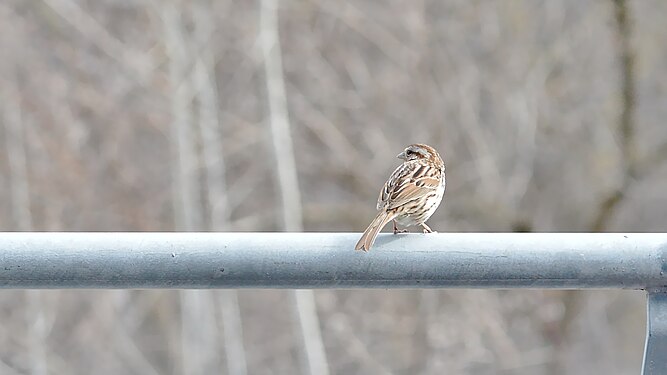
[(411, 194)]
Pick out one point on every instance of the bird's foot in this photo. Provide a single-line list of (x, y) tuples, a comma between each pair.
[(427, 229), (396, 230)]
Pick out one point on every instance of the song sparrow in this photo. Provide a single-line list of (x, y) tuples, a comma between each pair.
[(411, 194)]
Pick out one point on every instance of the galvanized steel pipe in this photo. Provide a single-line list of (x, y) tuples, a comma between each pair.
[(328, 260)]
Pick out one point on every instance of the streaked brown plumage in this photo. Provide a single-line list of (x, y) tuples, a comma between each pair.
[(411, 194)]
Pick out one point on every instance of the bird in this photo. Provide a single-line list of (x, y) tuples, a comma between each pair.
[(411, 194)]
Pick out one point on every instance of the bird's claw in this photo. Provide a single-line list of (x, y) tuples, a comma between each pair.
[(396, 230)]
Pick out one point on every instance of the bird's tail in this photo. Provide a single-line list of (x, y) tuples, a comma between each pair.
[(368, 238)]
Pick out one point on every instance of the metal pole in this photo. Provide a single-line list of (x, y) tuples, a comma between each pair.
[(327, 260), (655, 351)]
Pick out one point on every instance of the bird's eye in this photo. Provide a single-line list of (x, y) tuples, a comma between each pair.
[(409, 152)]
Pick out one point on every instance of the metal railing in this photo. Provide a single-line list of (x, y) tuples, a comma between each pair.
[(327, 260)]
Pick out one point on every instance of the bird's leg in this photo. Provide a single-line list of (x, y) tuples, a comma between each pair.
[(396, 230), (427, 229)]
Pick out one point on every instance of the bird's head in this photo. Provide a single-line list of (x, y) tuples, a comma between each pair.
[(419, 151)]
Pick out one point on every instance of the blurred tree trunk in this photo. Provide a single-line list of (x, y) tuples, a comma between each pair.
[(216, 187), (198, 341), (315, 361), (626, 121), (17, 160), (575, 301)]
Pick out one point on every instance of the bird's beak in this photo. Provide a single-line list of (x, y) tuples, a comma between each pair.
[(401, 155)]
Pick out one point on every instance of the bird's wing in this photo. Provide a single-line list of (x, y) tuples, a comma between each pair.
[(409, 181)]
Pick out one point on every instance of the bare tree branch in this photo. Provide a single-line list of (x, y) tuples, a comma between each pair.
[(126, 347), (138, 65)]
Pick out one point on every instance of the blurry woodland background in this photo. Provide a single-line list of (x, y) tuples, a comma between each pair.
[(236, 116)]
